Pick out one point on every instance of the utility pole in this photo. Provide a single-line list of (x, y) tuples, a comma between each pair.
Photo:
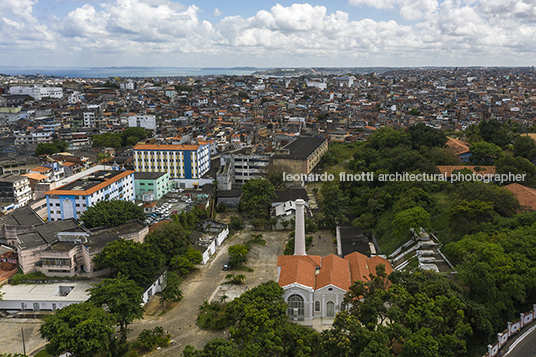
[(23, 344)]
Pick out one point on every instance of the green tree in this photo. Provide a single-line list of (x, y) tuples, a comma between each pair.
[(517, 166), (495, 132), (525, 146), (171, 291), (465, 216), (257, 197), (387, 138), (423, 135), (484, 152), (217, 347), (121, 297), (472, 134), (504, 202), (334, 206), (132, 135), (183, 264), (107, 140), (236, 223), (50, 148), (415, 218), (111, 213), (237, 255), (150, 339), (135, 261), (82, 329), (170, 239)]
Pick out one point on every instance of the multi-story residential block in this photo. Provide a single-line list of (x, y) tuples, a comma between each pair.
[(37, 91), (71, 200), (15, 189), (180, 161), (244, 164), (89, 119), (142, 121), (151, 186), (9, 115), (32, 137)]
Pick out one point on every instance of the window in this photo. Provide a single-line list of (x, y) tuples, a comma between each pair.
[(296, 308), (344, 306), (58, 212), (57, 204), (317, 305)]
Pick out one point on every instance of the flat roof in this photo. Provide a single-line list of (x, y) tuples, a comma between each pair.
[(148, 175), (166, 147), (46, 292), (353, 240), (91, 183), (302, 147)]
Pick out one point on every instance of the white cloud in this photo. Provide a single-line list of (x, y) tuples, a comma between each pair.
[(163, 32), (409, 9), (21, 9), (217, 12)]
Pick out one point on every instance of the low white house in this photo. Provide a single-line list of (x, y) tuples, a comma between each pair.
[(38, 297)]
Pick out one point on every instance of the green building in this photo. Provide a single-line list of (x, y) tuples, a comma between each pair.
[(151, 186)]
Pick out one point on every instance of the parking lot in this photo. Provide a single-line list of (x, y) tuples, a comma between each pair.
[(174, 202)]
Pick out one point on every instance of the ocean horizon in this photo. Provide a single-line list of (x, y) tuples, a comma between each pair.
[(105, 72)]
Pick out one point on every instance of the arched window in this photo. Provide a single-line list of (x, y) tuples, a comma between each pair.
[(344, 306), (295, 307), (317, 305), (330, 308)]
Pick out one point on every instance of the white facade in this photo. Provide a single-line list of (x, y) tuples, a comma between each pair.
[(74, 97), (89, 119), (39, 297), (37, 91), (65, 204), (31, 138), (142, 121)]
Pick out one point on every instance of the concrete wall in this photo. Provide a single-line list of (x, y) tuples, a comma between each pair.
[(511, 329)]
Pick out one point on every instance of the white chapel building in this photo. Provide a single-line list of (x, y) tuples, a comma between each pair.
[(315, 286)]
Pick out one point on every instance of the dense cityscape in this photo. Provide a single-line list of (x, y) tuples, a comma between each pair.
[(287, 212)]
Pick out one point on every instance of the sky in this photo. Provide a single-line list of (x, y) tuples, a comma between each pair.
[(210, 33)]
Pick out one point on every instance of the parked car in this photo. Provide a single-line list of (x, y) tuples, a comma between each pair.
[(226, 266)]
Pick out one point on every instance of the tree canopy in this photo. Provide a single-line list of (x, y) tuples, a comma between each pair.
[(82, 329), (133, 260), (170, 239), (257, 197), (50, 148), (111, 213), (122, 298)]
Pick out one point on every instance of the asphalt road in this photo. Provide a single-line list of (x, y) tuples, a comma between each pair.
[(525, 348)]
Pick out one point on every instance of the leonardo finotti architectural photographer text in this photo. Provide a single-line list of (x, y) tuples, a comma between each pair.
[(405, 176)]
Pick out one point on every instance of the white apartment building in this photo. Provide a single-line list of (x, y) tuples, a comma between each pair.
[(142, 121), (74, 97), (23, 137), (70, 200), (89, 119), (37, 91)]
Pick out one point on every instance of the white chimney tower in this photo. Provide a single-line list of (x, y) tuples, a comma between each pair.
[(299, 236)]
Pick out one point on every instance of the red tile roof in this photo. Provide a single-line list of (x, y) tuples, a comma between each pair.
[(525, 195), (459, 146), (334, 270)]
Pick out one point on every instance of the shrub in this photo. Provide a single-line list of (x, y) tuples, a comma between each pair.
[(150, 339)]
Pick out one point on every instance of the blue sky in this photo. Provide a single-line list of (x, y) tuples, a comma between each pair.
[(67, 33)]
